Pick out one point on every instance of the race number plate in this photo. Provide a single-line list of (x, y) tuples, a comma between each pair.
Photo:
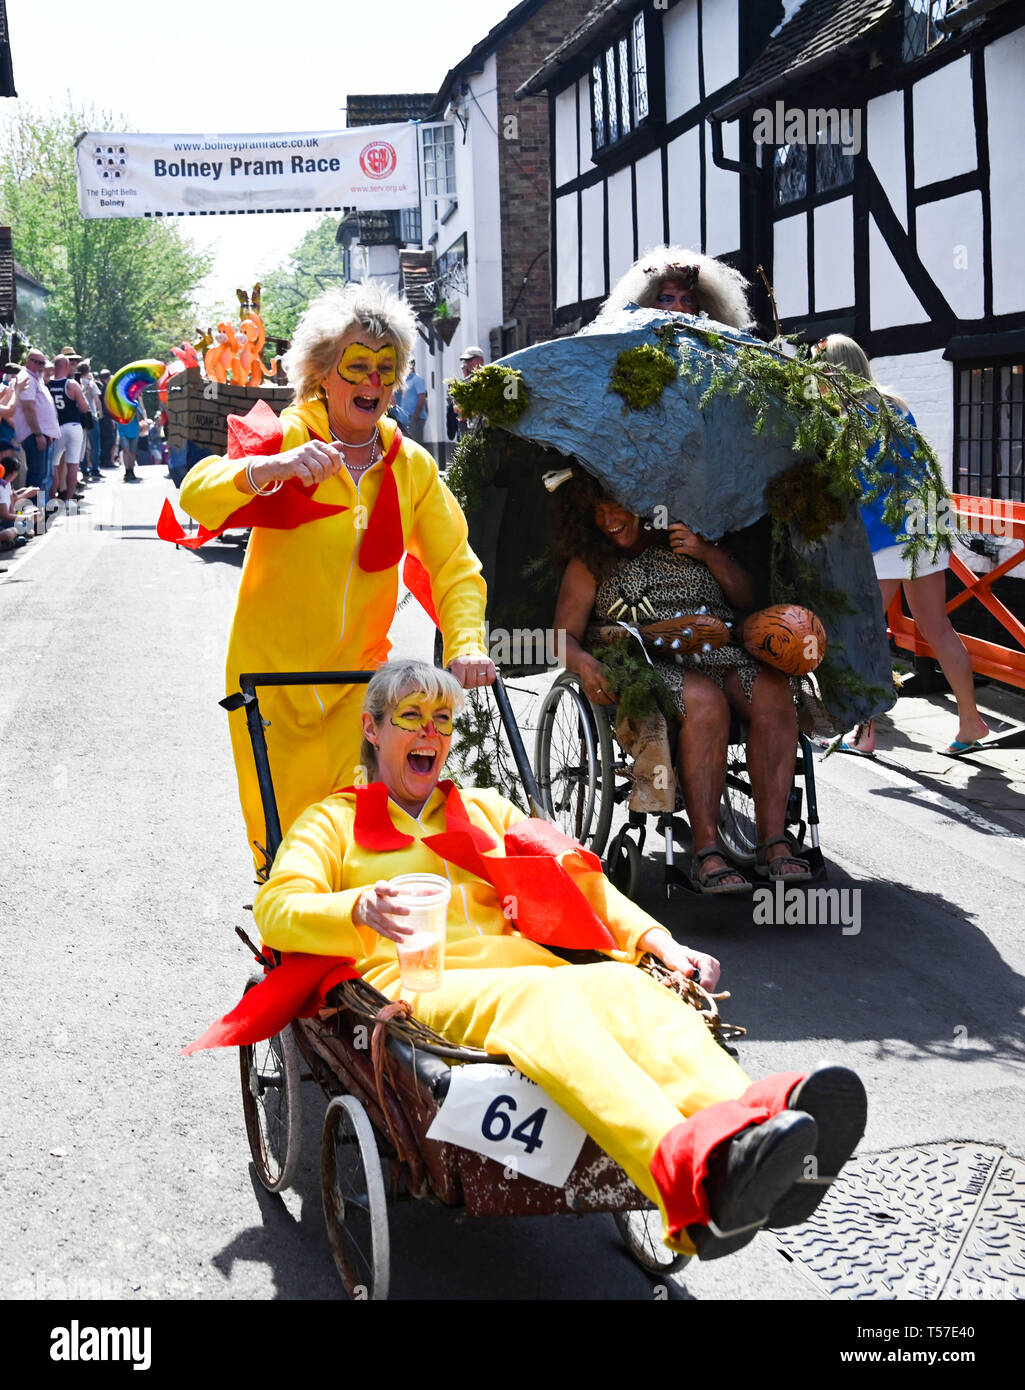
[(498, 1112)]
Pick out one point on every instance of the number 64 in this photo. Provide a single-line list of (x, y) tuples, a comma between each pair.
[(497, 1124)]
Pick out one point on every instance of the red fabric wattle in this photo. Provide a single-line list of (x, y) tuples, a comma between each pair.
[(294, 989), (383, 543)]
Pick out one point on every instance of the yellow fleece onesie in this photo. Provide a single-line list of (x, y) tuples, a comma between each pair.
[(619, 1052), (304, 604)]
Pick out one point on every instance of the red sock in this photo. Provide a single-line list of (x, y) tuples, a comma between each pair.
[(680, 1165)]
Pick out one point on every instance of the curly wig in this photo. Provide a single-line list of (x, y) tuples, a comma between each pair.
[(722, 292), (316, 344), (575, 534)]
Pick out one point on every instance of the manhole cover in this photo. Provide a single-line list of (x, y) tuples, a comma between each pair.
[(940, 1221)]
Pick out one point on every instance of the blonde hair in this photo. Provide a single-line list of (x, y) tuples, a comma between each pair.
[(721, 291), (845, 352), (391, 683), (316, 344)]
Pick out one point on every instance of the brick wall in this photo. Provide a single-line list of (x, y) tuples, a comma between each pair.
[(524, 167)]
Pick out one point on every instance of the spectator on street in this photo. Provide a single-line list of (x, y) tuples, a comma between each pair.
[(35, 423), (108, 426), (413, 405), (471, 359), (71, 406), (13, 499), (128, 439), (93, 396)]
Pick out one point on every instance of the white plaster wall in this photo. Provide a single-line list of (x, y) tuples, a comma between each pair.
[(680, 29), (834, 255), (950, 246), (891, 302), (926, 382), (721, 44), (383, 264), (885, 121), (722, 196), (485, 229), (1005, 96), (621, 224), (790, 265), (586, 162), (566, 136), (649, 201), (592, 217), (685, 190), (944, 123), (566, 273)]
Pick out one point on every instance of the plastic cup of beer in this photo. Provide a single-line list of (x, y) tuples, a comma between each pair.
[(422, 955)]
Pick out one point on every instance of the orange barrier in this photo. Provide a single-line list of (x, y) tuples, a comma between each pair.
[(988, 516)]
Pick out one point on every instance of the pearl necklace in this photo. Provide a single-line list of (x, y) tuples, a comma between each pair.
[(358, 469)]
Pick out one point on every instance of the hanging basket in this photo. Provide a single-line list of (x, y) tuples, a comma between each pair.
[(446, 326)]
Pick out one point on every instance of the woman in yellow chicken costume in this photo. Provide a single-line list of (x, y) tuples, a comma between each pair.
[(625, 1057), (334, 495)]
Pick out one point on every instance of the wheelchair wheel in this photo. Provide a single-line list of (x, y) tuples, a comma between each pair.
[(738, 832), (574, 763), (272, 1107), (623, 864), (641, 1233), (355, 1207)]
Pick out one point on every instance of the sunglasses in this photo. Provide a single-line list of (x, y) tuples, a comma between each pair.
[(36, 362)]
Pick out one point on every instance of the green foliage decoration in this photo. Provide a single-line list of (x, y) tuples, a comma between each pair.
[(473, 465), (495, 394), (833, 418), (639, 690), (479, 750), (641, 375)]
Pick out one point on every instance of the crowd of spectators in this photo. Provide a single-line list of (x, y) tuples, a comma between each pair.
[(57, 438)]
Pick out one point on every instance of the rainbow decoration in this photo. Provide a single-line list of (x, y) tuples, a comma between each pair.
[(127, 385)]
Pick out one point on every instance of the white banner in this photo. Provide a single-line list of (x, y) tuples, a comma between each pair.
[(129, 175)]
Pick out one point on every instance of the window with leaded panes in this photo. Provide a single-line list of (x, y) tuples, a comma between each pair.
[(920, 28), (619, 86), (989, 430)]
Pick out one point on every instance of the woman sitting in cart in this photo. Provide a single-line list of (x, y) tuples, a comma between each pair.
[(627, 1058), (334, 495), (615, 567)]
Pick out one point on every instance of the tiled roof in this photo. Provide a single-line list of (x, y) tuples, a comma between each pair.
[(820, 31), (592, 26), (388, 108)]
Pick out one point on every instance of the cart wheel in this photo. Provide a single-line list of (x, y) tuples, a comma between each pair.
[(355, 1207), (738, 832), (623, 864), (574, 764), (272, 1106), (641, 1232)]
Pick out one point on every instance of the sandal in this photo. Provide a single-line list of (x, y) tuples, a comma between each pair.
[(765, 869), (711, 880)]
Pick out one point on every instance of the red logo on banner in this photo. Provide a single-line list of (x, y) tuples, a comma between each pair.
[(378, 160)]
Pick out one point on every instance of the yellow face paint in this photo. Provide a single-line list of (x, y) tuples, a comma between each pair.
[(359, 362), (411, 713)]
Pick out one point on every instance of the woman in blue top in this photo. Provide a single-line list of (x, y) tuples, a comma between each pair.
[(926, 591)]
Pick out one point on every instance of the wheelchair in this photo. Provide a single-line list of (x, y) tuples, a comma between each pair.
[(385, 1075), (583, 774)]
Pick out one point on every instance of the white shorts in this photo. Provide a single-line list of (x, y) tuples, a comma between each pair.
[(73, 440), (890, 563)]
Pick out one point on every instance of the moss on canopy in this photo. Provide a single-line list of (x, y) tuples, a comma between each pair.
[(641, 374)]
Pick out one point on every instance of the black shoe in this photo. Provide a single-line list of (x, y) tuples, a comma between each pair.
[(748, 1176), (836, 1101)]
